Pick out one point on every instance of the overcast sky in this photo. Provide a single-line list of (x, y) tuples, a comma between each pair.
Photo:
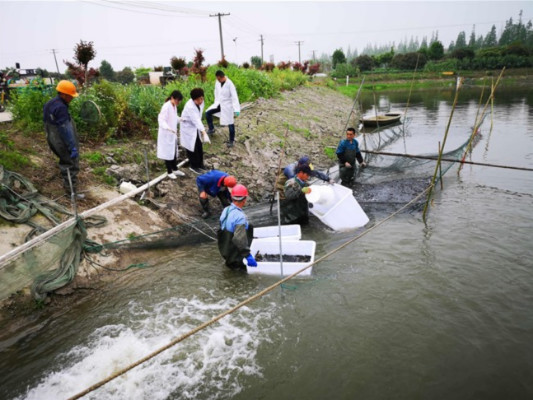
[(139, 33)]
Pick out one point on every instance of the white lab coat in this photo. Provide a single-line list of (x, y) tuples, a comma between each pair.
[(167, 135), (191, 124), (226, 97)]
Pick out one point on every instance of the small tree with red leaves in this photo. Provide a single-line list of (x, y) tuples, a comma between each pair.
[(197, 67)]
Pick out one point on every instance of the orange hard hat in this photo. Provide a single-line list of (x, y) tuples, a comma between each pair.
[(230, 181), (239, 192), (67, 87)]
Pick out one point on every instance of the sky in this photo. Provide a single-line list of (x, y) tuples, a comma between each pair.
[(149, 33)]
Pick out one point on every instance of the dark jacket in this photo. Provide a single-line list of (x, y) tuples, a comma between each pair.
[(294, 207)]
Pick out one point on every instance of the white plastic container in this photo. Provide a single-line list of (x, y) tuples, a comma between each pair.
[(289, 247), (322, 194), (340, 213), (126, 187), (288, 232)]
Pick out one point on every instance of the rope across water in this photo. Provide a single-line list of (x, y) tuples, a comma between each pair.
[(241, 304)]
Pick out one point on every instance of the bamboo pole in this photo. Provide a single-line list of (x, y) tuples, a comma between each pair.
[(475, 129), (458, 87)]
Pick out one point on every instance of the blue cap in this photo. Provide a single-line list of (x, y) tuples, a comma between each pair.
[(304, 160)]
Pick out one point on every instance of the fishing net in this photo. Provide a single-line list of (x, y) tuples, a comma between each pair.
[(395, 179), (21, 203), (90, 112)]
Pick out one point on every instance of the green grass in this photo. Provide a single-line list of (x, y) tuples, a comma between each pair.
[(11, 159), (94, 158), (100, 172)]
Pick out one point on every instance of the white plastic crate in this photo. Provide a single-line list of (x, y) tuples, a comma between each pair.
[(288, 232), (336, 207), (289, 247)]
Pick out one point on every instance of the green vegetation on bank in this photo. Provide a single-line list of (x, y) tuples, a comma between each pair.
[(401, 80), (132, 110)]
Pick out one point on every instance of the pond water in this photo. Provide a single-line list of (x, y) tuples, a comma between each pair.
[(411, 310)]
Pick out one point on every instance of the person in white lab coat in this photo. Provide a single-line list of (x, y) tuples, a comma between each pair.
[(192, 131), (227, 103), (167, 135)]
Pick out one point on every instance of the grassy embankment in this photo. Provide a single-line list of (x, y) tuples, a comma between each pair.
[(430, 80)]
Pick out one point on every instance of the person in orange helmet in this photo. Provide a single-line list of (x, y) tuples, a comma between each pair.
[(214, 183), (236, 233), (61, 135)]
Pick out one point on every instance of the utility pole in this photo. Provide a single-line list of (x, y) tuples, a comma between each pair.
[(54, 51), (220, 31), (299, 58), (261, 49)]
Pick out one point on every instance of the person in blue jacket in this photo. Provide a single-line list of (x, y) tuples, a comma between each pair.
[(236, 233), (347, 152), (289, 172), (61, 135), (214, 183)]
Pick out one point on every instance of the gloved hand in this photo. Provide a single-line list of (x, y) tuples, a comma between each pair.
[(74, 153), (205, 137), (306, 190), (363, 164), (250, 260), (331, 181), (237, 113)]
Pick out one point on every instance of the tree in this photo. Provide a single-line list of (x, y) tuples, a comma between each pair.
[(178, 64), (424, 44), (125, 76), (256, 62), (472, 41), (364, 63), (338, 57), (197, 67), (409, 61), (84, 53), (436, 51), (460, 43), (107, 72), (491, 39)]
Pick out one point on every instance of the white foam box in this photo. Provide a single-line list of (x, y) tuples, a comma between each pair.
[(341, 212), (289, 247), (289, 232)]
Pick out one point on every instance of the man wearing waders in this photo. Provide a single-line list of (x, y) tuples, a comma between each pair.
[(347, 153), (61, 134), (227, 103), (214, 183), (294, 205), (235, 234)]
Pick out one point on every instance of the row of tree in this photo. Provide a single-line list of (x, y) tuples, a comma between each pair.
[(513, 49)]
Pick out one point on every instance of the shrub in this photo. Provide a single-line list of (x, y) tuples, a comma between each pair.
[(27, 104), (343, 70)]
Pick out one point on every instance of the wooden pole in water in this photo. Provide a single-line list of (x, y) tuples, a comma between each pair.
[(440, 171), (477, 124), (458, 87)]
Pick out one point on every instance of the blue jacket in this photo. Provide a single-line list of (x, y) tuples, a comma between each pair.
[(290, 172), (349, 152), (211, 182), (231, 217), (55, 112)]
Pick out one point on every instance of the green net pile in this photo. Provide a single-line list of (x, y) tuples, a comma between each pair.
[(51, 263)]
